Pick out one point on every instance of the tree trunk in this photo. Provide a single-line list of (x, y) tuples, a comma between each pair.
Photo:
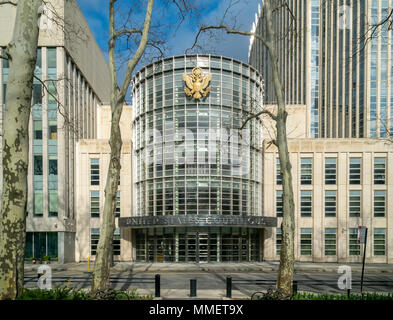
[(104, 249), (22, 52), (287, 257)]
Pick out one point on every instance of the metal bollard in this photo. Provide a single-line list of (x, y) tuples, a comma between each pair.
[(157, 285), (229, 287), (193, 288), (294, 286)]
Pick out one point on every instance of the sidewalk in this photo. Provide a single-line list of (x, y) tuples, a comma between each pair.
[(266, 266)]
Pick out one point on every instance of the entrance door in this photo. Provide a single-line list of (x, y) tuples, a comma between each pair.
[(191, 247), (203, 247)]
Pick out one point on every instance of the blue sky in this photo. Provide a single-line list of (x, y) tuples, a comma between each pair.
[(211, 11)]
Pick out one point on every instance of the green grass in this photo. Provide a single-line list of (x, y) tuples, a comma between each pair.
[(74, 294)]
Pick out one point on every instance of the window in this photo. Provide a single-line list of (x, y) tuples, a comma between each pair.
[(51, 53), (116, 243), (379, 203), (379, 170), (279, 209), (306, 242), (37, 127), (95, 172), (306, 203), (330, 203), (278, 241), (52, 127), (95, 204), (94, 238), (53, 166), (53, 203), (379, 242), (330, 171), (306, 171), (278, 173), (37, 93), (354, 245), (38, 165), (118, 204), (330, 241), (354, 203), (354, 170), (38, 207)]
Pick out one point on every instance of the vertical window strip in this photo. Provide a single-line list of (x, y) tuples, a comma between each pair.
[(379, 203), (330, 203), (305, 241), (355, 171), (279, 203), (330, 171), (95, 204), (306, 203), (354, 245), (379, 242), (278, 241), (354, 203), (306, 171), (95, 172), (330, 242), (379, 170)]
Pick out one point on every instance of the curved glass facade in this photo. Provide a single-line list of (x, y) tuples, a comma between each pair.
[(190, 158)]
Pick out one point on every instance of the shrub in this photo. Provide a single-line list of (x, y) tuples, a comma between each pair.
[(75, 294)]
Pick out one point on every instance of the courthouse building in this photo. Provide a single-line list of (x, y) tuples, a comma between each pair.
[(195, 185)]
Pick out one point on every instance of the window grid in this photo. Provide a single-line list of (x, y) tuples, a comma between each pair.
[(95, 204), (306, 171), (306, 204), (379, 170), (95, 172), (118, 204), (279, 204), (354, 170), (330, 171), (306, 242), (354, 203), (278, 172), (278, 241), (330, 242), (379, 203), (354, 245), (330, 203), (379, 242)]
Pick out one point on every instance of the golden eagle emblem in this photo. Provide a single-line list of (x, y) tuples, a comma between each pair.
[(197, 83)]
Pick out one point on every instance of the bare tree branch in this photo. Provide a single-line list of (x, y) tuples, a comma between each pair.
[(204, 28)]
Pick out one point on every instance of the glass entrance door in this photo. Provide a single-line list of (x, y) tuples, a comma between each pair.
[(191, 247), (203, 247)]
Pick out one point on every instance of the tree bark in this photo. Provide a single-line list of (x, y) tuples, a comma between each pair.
[(287, 256), (22, 53), (102, 264)]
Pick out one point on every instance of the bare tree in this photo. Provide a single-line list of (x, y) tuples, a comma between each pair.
[(102, 263), (22, 56), (269, 41)]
